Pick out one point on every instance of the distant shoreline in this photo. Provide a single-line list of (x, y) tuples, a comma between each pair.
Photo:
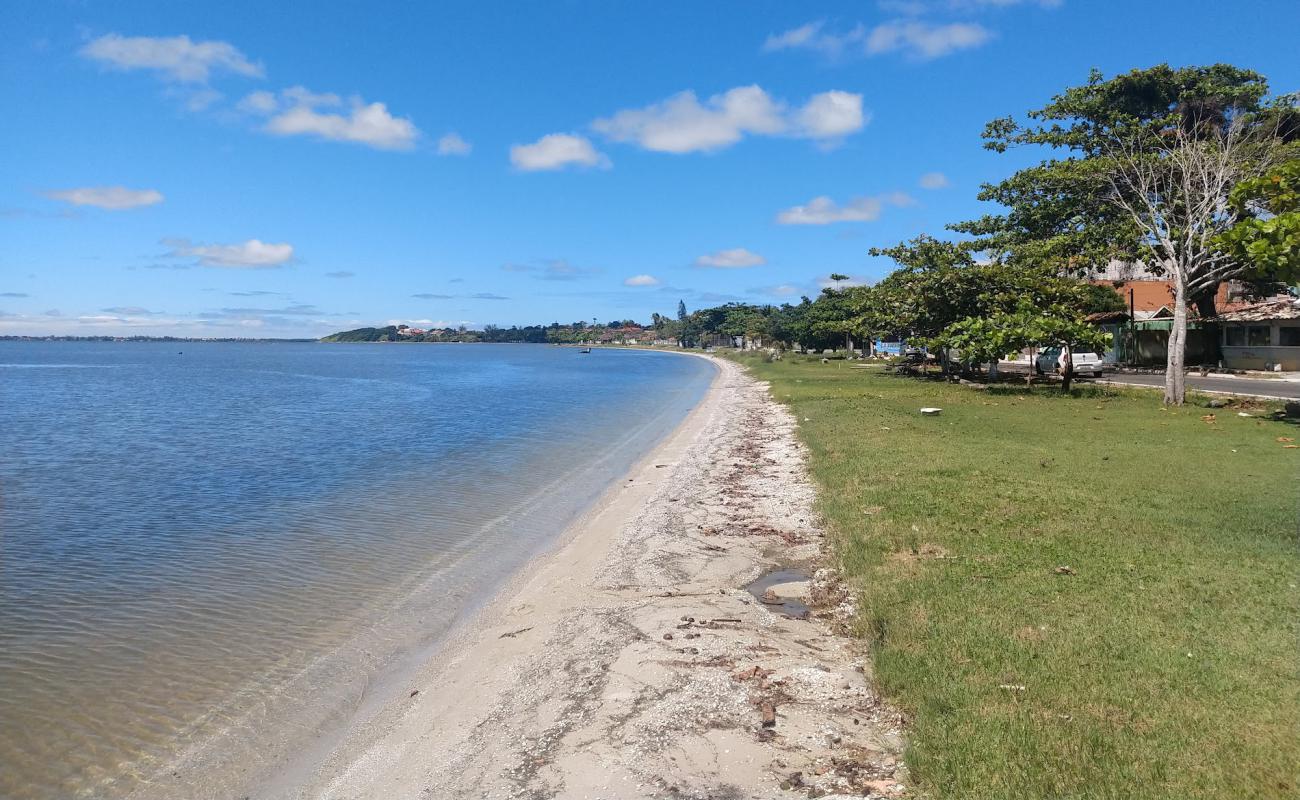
[(141, 339)]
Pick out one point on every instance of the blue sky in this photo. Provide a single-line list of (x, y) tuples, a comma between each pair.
[(289, 169)]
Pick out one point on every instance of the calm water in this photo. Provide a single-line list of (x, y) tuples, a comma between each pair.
[(211, 548)]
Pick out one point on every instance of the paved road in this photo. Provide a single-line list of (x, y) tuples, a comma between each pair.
[(1256, 387)]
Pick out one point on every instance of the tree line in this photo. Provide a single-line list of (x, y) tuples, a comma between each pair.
[(1192, 172)]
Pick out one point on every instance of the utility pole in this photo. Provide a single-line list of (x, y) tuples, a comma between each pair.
[(1132, 329)]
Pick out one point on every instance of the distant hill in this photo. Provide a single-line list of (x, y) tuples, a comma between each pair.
[(387, 334), (616, 332)]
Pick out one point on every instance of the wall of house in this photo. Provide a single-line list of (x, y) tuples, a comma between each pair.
[(1266, 357), (1262, 358), (1153, 347)]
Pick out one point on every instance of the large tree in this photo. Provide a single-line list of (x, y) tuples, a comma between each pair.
[(1149, 159)]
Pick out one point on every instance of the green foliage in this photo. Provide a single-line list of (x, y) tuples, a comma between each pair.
[(1268, 240), (943, 297), (984, 339), (1103, 298), (1059, 212)]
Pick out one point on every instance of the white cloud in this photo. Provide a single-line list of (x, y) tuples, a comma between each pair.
[(302, 96), (178, 58), (452, 144), (252, 254), (825, 211), (641, 280), (113, 198), (682, 124), (297, 111), (830, 115), (736, 258), (813, 36), (923, 40), (557, 151), (934, 180), (259, 102), (807, 35), (916, 38), (363, 123)]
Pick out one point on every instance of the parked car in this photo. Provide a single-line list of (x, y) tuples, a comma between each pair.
[(1052, 360), (914, 355)]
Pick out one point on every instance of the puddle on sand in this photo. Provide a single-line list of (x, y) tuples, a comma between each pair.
[(788, 605)]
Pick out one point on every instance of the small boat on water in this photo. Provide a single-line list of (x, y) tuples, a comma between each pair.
[(585, 350)]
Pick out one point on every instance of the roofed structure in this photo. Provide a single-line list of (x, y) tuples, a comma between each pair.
[(1274, 308)]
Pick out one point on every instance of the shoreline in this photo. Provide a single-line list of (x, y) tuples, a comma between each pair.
[(270, 745), (581, 676), (292, 779)]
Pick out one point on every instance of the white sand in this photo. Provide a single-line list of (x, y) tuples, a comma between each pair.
[(584, 679)]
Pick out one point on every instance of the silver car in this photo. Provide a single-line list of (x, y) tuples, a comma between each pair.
[(1051, 360)]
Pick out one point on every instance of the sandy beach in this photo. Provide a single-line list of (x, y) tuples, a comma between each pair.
[(682, 639), (631, 661)]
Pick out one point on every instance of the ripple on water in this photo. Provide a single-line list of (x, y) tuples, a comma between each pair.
[(229, 541)]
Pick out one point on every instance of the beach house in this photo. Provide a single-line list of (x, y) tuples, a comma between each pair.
[(1264, 335)]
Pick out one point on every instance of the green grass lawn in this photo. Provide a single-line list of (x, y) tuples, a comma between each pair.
[(1162, 663)]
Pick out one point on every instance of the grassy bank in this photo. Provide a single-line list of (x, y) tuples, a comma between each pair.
[(1071, 597)]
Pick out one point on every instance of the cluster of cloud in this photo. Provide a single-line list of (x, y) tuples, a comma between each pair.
[(111, 198), (556, 151), (641, 280), (825, 211), (251, 254), (177, 58), (735, 258), (297, 111), (918, 39), (683, 124), (451, 144), (909, 33), (292, 112)]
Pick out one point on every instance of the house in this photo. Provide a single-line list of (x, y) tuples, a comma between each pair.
[(1150, 298), (1116, 324), (1263, 335)]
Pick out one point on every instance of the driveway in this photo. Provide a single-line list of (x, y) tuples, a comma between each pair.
[(1274, 388)]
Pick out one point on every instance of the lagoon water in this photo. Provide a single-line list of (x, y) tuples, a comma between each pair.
[(208, 551)]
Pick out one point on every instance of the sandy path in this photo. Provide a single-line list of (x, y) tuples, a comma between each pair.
[(631, 662)]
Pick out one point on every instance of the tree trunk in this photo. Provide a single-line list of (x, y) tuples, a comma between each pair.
[(1175, 366), (1067, 369)]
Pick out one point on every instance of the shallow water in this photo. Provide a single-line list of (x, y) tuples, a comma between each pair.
[(217, 545)]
